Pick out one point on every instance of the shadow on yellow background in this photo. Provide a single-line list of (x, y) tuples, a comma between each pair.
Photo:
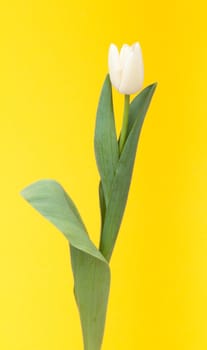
[(52, 65)]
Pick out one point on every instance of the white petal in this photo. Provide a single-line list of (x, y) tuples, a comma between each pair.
[(114, 66), (137, 50), (133, 72), (124, 54)]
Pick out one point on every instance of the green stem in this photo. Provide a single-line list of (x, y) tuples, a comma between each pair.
[(124, 123)]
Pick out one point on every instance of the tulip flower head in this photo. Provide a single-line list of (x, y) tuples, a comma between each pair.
[(126, 68)]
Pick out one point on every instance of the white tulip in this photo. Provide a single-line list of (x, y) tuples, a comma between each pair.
[(126, 68)]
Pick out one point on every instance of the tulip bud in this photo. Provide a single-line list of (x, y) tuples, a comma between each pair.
[(126, 69)]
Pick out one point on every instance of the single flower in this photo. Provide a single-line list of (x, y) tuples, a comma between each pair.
[(126, 68)]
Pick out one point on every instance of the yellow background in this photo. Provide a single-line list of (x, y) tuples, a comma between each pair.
[(53, 60)]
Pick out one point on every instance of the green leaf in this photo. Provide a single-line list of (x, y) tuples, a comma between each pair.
[(92, 281), (105, 141), (90, 269), (122, 178)]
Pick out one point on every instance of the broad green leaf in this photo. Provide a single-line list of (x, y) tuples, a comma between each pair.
[(105, 141), (140, 105), (90, 269), (122, 178), (49, 198), (92, 281)]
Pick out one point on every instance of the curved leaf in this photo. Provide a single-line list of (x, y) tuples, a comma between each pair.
[(90, 269), (105, 141)]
